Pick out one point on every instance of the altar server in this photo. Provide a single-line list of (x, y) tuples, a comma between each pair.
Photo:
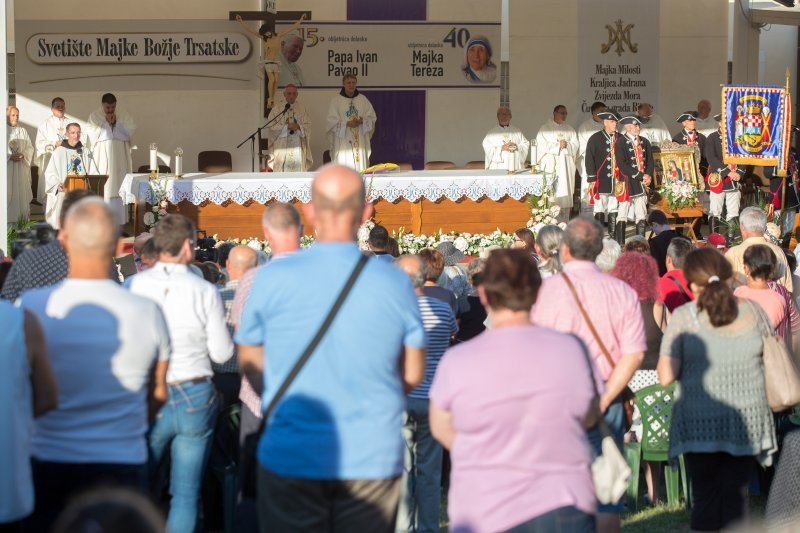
[(110, 132), (351, 123), (557, 147), (654, 129), (603, 174), (504, 146), (722, 183), (66, 160), (290, 134), (19, 157), (634, 155)]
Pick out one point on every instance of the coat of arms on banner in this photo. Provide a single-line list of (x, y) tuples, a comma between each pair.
[(755, 125)]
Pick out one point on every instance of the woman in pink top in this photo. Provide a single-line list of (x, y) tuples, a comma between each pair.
[(512, 406), (759, 266)]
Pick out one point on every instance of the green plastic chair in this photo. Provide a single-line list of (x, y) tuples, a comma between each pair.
[(655, 407)]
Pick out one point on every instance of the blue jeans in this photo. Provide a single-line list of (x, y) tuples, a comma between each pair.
[(562, 520), (421, 500), (186, 424), (615, 418)]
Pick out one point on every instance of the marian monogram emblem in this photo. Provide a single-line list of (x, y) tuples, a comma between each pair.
[(620, 37)]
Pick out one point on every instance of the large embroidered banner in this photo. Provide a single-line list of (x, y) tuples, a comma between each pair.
[(755, 125)]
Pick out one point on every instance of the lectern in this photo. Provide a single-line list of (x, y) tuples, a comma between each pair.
[(93, 182)]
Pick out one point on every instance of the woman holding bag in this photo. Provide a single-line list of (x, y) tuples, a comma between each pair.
[(515, 472), (721, 420)]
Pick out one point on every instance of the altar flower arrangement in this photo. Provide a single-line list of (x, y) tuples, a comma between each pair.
[(543, 211), (158, 199), (679, 193), (469, 243)]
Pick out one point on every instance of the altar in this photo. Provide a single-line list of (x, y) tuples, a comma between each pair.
[(422, 202)]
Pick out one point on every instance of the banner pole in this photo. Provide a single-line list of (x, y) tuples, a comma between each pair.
[(783, 172)]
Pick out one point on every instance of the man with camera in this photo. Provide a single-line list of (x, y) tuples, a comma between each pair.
[(45, 261)]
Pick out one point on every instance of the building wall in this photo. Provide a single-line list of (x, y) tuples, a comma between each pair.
[(544, 50)]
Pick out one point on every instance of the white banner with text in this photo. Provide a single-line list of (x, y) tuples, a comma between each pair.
[(396, 54)]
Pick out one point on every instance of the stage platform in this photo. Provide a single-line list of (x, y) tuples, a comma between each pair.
[(230, 204)]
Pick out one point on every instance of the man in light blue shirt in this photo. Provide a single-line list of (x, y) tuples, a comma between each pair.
[(332, 453)]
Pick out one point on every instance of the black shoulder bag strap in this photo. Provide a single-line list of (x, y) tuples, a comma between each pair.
[(323, 329), (680, 288)]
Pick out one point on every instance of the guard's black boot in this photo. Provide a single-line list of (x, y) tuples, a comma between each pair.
[(733, 225), (640, 227), (612, 225), (601, 218), (620, 233), (713, 224)]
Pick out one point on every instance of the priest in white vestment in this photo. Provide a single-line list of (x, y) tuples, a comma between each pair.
[(589, 127), (705, 121), (504, 146), (289, 134), (110, 133), (654, 129), (557, 149), (350, 125), (18, 178), (49, 136), (67, 159)]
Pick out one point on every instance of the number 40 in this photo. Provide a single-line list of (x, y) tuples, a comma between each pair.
[(458, 36)]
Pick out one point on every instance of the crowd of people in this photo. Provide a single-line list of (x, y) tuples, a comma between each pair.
[(366, 384)]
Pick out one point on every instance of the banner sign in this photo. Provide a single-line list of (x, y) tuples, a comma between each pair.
[(122, 48), (755, 125), (393, 54), (618, 55), (133, 55)]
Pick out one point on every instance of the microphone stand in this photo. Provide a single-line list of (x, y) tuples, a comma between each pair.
[(257, 133)]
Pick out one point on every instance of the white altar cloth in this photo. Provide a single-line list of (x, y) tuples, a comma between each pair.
[(241, 187)]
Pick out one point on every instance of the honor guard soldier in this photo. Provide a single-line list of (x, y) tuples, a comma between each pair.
[(792, 201), (722, 182), (691, 137), (634, 157), (602, 173)]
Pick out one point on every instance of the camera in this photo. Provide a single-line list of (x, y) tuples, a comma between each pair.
[(38, 235), (205, 247)]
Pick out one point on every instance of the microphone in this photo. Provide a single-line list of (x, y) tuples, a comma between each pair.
[(285, 109)]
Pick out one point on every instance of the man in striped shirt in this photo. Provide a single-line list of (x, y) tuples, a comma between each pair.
[(419, 506)]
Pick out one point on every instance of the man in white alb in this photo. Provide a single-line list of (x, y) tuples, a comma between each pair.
[(110, 132), (588, 127), (18, 168), (67, 159), (557, 147), (505, 147), (49, 136), (290, 134), (351, 123), (705, 122), (654, 129)]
